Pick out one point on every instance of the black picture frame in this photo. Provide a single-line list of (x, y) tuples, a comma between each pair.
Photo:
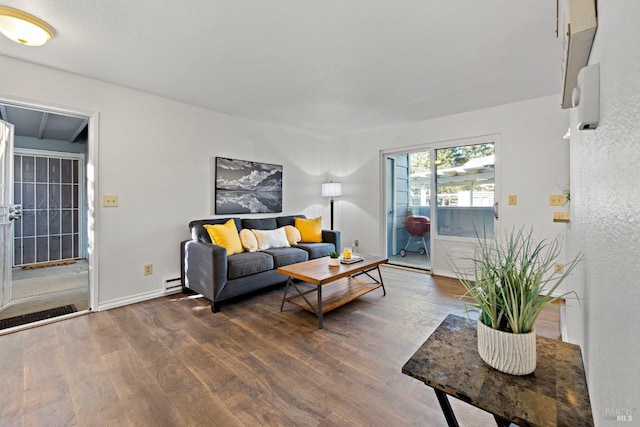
[(246, 187)]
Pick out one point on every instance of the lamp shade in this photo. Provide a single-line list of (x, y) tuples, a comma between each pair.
[(24, 28), (331, 189)]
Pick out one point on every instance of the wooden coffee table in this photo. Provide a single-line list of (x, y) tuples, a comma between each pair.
[(342, 284)]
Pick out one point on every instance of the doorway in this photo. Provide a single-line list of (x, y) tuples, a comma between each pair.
[(50, 251), (438, 198)]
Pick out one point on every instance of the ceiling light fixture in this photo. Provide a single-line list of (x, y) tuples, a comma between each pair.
[(24, 28)]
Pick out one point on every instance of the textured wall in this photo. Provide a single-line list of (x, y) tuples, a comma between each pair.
[(605, 209)]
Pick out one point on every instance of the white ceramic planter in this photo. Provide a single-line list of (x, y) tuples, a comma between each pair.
[(334, 262), (513, 354)]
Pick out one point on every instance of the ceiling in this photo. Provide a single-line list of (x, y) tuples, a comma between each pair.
[(324, 68), (42, 125)]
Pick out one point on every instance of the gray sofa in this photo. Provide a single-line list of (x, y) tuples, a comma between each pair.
[(207, 270)]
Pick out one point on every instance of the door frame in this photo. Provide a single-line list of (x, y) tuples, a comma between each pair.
[(6, 199), (443, 248), (91, 183)]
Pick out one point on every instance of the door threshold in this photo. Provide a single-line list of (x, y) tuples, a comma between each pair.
[(408, 267), (42, 322)]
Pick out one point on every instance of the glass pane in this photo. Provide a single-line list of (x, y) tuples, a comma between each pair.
[(67, 191), (41, 169), (28, 169), (28, 196), (54, 247), (54, 170), (67, 226), (17, 251), (42, 249), (28, 223), (67, 172), (41, 196), (54, 221), (28, 250), (17, 168), (75, 171), (465, 183), (42, 222), (67, 246), (408, 208)]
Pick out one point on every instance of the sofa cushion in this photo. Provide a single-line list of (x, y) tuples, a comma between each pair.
[(286, 256), (248, 240), (310, 229), (247, 263), (316, 250), (199, 233), (259, 223), (288, 220), (271, 238), (225, 235)]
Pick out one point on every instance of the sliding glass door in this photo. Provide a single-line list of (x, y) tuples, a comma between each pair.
[(438, 198)]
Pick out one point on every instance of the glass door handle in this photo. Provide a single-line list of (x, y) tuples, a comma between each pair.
[(495, 210)]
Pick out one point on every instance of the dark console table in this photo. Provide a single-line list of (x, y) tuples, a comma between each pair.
[(554, 394)]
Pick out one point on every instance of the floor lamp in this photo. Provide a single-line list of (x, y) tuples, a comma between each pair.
[(331, 189)]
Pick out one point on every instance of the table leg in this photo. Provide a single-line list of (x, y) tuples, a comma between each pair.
[(284, 297), (381, 282), (446, 408), (319, 307)]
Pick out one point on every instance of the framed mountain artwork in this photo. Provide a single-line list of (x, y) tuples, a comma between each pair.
[(246, 187)]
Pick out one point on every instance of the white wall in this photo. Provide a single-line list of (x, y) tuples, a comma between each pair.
[(605, 209), (155, 154), (532, 163)]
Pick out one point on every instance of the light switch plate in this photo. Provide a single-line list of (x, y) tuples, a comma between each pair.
[(513, 199)]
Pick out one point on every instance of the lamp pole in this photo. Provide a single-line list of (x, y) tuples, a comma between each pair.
[(331, 203), (331, 189)]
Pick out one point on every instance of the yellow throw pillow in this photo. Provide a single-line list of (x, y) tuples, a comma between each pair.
[(310, 229), (248, 240), (293, 234), (226, 235)]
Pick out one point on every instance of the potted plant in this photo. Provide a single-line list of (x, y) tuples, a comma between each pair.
[(512, 281), (334, 259)]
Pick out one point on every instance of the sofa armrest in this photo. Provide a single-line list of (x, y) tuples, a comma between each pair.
[(205, 268), (331, 236)]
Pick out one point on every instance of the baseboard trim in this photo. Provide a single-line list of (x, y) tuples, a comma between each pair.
[(120, 302)]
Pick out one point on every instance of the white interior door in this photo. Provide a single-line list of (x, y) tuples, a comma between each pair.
[(8, 212)]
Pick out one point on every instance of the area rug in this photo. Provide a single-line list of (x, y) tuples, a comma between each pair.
[(34, 317)]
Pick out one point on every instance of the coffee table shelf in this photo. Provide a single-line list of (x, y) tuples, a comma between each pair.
[(336, 294)]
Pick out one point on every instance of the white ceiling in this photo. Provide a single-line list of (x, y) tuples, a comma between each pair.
[(325, 68)]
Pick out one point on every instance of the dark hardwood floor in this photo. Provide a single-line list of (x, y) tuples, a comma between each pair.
[(171, 362)]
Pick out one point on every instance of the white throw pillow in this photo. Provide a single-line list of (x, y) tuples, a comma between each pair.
[(271, 238)]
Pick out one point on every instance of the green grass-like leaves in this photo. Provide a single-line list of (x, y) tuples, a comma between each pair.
[(515, 279)]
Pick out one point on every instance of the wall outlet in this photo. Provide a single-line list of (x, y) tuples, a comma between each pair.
[(357, 242), (558, 267), (561, 217), (556, 200), (110, 201), (148, 269), (513, 199)]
